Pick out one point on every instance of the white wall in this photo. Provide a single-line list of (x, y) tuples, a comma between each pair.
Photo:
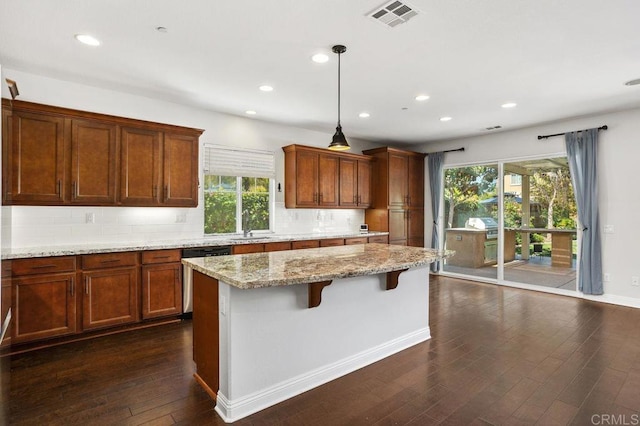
[(38, 226), (618, 165)]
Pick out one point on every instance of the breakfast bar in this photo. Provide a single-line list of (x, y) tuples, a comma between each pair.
[(269, 326)]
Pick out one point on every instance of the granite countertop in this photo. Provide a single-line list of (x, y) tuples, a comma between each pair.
[(291, 267), (95, 248)]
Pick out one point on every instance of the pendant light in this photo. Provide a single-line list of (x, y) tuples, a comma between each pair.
[(339, 142)]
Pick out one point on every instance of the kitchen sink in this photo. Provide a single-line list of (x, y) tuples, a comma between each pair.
[(250, 238)]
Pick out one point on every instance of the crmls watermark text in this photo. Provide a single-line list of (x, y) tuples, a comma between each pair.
[(615, 419)]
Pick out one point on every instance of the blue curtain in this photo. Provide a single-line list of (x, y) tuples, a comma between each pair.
[(435, 161), (582, 155)]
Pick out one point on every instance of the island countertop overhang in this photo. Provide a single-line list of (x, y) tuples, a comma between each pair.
[(293, 267)]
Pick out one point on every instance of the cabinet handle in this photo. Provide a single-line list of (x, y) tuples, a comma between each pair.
[(161, 257), (319, 198), (86, 285), (74, 189), (355, 200), (110, 261), (155, 191), (59, 188), (359, 199), (166, 192), (73, 285)]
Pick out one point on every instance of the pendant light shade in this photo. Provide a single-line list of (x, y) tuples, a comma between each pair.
[(339, 142)]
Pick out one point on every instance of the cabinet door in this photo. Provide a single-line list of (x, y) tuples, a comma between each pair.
[(93, 163), (416, 181), (110, 297), (180, 170), (397, 227), (306, 179), (36, 154), (364, 184), (7, 124), (348, 182), (140, 167), (328, 166), (43, 306), (161, 290), (415, 227), (398, 166), (248, 248), (5, 303)]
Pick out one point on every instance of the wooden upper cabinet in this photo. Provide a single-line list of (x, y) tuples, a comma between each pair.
[(327, 180), (415, 181), (398, 184), (316, 177), (348, 182), (93, 162), (140, 167), (180, 170), (355, 183), (304, 182), (59, 156), (36, 159)]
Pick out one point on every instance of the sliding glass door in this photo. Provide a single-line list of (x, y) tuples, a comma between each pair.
[(471, 225), (533, 203)]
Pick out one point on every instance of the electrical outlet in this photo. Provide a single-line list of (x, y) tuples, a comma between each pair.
[(90, 218), (181, 218), (635, 281), (606, 277), (609, 229)]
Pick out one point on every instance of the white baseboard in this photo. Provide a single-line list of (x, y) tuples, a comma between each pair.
[(230, 411)]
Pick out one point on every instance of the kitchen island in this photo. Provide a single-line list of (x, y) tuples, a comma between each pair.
[(269, 326)]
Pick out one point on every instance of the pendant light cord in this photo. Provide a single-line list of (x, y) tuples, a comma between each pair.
[(339, 89)]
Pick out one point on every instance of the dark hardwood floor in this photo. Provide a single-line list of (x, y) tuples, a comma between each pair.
[(497, 356)]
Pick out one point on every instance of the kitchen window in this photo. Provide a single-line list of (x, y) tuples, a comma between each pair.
[(238, 190)]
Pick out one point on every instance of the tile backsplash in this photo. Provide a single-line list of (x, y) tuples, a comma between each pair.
[(25, 226)]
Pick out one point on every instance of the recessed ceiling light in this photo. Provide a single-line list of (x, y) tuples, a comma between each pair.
[(320, 58), (446, 118), (87, 39), (266, 88), (364, 115), (422, 98), (509, 105), (250, 112), (632, 82)]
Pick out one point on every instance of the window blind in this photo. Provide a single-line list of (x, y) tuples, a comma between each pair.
[(226, 161)]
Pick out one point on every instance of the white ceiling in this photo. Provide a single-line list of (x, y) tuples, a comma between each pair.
[(555, 59)]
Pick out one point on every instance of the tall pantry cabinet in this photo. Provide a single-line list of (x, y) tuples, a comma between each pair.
[(398, 195)]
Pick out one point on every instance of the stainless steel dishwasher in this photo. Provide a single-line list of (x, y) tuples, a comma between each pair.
[(187, 283)]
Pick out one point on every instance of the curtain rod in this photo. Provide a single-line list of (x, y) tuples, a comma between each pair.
[(605, 127), (449, 150)]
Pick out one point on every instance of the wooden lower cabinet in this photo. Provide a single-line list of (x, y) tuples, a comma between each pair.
[(247, 248), (358, 240), (110, 297), (332, 242), (161, 283), (305, 244), (161, 290), (44, 306)]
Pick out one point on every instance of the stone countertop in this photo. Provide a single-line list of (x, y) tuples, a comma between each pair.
[(291, 267), (95, 248)]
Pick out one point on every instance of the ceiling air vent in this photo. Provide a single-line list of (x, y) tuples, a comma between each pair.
[(493, 128), (393, 13)]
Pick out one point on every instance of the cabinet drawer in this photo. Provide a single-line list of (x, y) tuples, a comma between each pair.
[(351, 241), (332, 242), (109, 260), (305, 244), (161, 256), (248, 248), (379, 239), (279, 246), (43, 265)]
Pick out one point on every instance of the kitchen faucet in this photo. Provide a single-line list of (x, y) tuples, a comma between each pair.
[(246, 227)]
